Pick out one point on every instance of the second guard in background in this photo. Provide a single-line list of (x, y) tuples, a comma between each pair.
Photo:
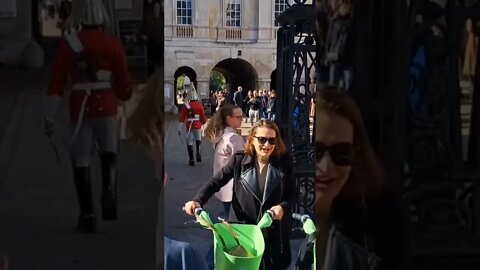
[(192, 118), (97, 66)]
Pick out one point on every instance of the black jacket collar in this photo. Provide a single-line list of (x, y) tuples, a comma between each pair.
[(249, 160), (249, 177)]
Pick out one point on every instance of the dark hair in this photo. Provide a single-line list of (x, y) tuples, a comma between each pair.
[(280, 147), (366, 179)]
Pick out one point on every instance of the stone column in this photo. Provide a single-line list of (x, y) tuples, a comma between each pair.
[(16, 44), (203, 88), (169, 83), (264, 83), (169, 97)]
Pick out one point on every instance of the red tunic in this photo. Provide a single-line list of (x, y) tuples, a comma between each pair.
[(196, 108), (106, 53)]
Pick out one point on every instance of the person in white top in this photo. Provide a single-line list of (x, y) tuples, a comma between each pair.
[(222, 131)]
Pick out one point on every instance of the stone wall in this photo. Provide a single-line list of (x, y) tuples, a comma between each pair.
[(15, 34), (202, 45)]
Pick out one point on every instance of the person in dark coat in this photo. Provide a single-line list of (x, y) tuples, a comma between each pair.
[(262, 180), (238, 97)]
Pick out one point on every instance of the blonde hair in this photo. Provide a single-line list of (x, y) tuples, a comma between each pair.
[(280, 147), (145, 125), (218, 122)]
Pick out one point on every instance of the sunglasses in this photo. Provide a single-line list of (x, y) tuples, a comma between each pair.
[(263, 140), (340, 153)]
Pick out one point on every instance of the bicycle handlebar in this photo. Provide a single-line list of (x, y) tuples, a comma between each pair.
[(300, 217), (271, 213), (196, 211)]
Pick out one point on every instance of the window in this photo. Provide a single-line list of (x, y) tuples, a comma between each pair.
[(280, 6), (233, 13), (184, 11)]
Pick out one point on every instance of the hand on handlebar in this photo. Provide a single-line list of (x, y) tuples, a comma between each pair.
[(190, 207), (277, 211)]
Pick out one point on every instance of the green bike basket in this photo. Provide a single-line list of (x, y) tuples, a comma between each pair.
[(249, 236)]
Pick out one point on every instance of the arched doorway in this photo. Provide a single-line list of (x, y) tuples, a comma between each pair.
[(237, 72), (185, 71), (45, 20)]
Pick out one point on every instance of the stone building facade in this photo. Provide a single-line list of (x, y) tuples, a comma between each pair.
[(21, 29), (235, 37)]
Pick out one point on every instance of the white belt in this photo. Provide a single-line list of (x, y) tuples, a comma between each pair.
[(104, 77), (87, 87), (92, 86), (191, 120)]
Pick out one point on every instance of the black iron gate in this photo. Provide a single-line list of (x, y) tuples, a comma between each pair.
[(295, 84), (407, 82), (442, 192)]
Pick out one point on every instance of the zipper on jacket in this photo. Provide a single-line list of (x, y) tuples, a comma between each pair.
[(260, 212), (254, 195), (251, 191)]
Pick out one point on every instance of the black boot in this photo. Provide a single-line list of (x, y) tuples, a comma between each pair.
[(83, 185), (190, 155), (199, 150), (109, 184)]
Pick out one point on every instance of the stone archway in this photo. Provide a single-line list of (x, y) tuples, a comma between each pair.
[(238, 72), (185, 71)]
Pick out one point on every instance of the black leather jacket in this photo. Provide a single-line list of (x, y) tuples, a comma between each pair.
[(249, 205), (344, 254)]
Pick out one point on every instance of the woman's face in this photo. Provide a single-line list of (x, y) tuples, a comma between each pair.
[(235, 120), (264, 142), (334, 139)]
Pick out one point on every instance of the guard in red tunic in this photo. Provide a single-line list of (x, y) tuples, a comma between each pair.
[(96, 64), (192, 118)]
